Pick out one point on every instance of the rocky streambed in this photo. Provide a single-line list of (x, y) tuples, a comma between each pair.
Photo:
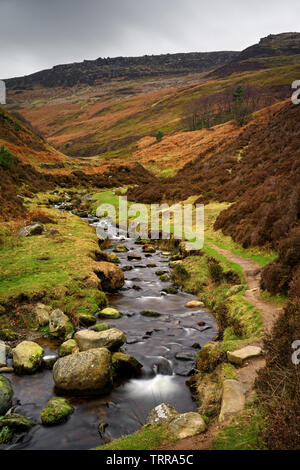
[(162, 334)]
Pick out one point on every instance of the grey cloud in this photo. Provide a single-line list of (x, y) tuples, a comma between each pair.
[(37, 34)]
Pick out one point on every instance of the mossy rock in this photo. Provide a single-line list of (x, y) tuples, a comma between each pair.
[(16, 422), (6, 393), (160, 272), (56, 411), (125, 364), (121, 249), (6, 435), (164, 278), (27, 357), (150, 313), (8, 335), (101, 327), (110, 312), (170, 290), (149, 249), (112, 258), (67, 348), (87, 319)]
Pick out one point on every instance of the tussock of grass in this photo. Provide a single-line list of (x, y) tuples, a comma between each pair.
[(244, 432)]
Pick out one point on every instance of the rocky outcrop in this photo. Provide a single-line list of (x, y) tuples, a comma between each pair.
[(27, 357), (6, 393), (108, 68), (30, 230), (88, 371), (56, 411), (233, 398), (60, 325), (111, 276), (111, 339), (241, 355)]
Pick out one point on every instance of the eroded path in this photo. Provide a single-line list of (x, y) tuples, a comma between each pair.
[(247, 373)]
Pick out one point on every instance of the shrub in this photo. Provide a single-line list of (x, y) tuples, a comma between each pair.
[(237, 327), (6, 158), (215, 271), (222, 317), (159, 136)]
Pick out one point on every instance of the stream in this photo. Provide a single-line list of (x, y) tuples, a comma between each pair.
[(155, 342)]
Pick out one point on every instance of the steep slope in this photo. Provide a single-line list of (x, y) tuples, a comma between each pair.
[(102, 69), (272, 51)]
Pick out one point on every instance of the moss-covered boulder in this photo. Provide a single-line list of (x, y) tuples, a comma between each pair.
[(149, 249), (110, 312), (164, 278), (16, 422), (101, 327), (66, 348), (27, 357), (60, 326), (125, 364), (6, 334), (6, 393), (84, 372), (87, 319), (121, 249), (56, 411), (150, 313)]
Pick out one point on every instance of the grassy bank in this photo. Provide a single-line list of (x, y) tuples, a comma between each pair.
[(56, 266), (147, 438)]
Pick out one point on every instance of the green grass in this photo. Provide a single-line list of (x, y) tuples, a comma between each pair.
[(147, 438), (212, 210), (244, 432), (63, 278)]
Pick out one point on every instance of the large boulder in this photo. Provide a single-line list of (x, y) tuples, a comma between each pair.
[(87, 371), (111, 276), (60, 325), (42, 313), (111, 339), (29, 230), (187, 425), (57, 411), (125, 364), (163, 413), (6, 393), (27, 357), (233, 398)]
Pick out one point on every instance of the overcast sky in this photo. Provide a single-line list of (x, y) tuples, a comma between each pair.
[(37, 34)]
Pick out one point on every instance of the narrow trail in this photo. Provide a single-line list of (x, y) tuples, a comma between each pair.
[(247, 373)]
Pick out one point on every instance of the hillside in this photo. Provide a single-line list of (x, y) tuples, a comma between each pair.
[(272, 51), (104, 69)]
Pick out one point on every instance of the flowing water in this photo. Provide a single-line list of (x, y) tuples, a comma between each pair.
[(155, 342)]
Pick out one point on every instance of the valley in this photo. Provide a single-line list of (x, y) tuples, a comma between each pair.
[(186, 347)]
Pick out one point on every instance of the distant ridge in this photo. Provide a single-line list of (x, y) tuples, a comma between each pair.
[(271, 51), (103, 69)]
